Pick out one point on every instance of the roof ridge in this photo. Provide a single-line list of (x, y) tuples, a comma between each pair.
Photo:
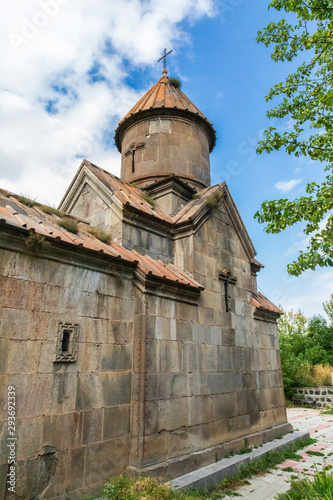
[(190, 204)]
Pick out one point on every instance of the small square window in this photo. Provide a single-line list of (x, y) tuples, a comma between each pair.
[(67, 339)]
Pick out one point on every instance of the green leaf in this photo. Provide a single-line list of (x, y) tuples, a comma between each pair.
[(307, 98)]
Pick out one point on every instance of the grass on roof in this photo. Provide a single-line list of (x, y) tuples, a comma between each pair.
[(175, 82), (51, 211), (3, 192), (214, 199), (35, 241), (149, 199), (26, 201), (100, 235), (70, 225)]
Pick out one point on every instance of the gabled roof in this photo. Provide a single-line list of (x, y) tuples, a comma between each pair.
[(16, 215), (264, 305), (126, 193), (193, 213), (164, 97), (198, 209)]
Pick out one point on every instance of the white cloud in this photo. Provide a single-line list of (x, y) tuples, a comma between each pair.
[(52, 111), (297, 246), (285, 186), (312, 293), (302, 243)]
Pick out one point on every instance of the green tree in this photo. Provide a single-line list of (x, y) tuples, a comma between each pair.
[(306, 96), (328, 308), (303, 345), (292, 331), (320, 342)]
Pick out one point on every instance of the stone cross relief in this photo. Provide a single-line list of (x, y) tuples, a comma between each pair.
[(131, 151), (228, 279)]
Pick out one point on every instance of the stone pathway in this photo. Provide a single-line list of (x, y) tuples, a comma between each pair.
[(320, 427)]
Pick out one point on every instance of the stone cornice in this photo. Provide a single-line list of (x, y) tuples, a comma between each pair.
[(12, 239), (175, 113), (161, 287)]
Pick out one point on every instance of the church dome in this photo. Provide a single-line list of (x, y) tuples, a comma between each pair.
[(165, 133), (163, 97)]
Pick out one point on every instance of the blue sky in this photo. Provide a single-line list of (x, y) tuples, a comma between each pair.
[(71, 70)]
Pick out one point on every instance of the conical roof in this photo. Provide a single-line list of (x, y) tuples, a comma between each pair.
[(163, 98)]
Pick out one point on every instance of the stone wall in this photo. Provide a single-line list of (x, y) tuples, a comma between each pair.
[(73, 418), (90, 207), (157, 245), (165, 145), (318, 396), (212, 376)]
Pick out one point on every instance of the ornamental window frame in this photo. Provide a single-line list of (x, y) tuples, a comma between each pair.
[(67, 342)]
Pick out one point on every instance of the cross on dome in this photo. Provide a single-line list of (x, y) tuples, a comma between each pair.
[(165, 54)]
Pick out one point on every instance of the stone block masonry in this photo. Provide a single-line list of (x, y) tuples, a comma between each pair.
[(321, 396), (73, 418)]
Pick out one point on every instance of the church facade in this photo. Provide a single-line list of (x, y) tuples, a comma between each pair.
[(132, 331)]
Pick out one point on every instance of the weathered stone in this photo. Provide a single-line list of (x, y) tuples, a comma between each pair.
[(75, 466), (92, 426), (116, 421), (116, 357), (172, 414), (158, 386), (106, 459), (157, 447), (171, 356), (200, 410), (29, 436), (35, 475), (105, 389), (62, 431)]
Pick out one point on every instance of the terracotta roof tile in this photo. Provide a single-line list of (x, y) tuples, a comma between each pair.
[(127, 193), (257, 263), (191, 209), (15, 214), (167, 271), (263, 304), (162, 95)]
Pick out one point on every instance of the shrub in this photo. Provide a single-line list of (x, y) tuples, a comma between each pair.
[(147, 488), (306, 351), (214, 200), (149, 199), (51, 211), (26, 201), (320, 375), (175, 82), (70, 225), (35, 241), (100, 235)]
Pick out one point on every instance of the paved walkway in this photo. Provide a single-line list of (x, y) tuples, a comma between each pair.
[(320, 427)]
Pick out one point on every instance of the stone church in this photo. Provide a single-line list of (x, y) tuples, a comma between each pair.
[(132, 332)]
